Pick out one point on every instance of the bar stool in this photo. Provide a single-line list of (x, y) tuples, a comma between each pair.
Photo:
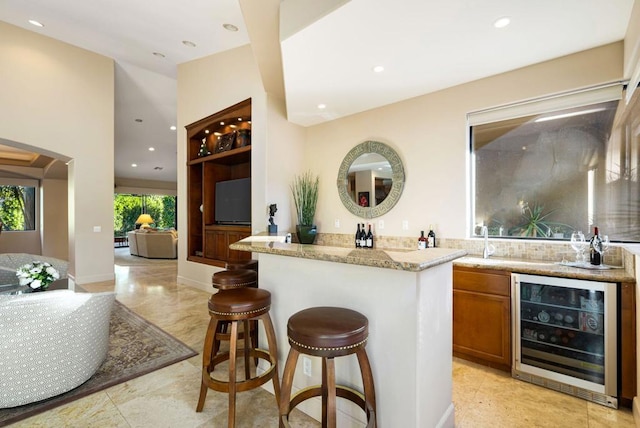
[(229, 280), (242, 264), (235, 306), (328, 332)]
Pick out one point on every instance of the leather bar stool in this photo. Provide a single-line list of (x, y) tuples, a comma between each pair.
[(243, 264), (228, 280), (328, 332), (235, 306)]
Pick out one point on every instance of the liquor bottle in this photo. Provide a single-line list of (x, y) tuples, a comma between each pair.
[(431, 237), (595, 247), (358, 237), (363, 237), (369, 238), (422, 241)]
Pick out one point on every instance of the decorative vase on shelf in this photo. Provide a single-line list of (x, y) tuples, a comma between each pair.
[(306, 234)]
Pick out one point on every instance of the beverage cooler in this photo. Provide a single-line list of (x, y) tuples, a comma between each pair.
[(565, 336)]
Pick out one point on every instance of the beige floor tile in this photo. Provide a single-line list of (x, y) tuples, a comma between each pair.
[(604, 417)]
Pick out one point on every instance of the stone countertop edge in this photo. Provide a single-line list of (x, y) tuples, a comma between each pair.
[(537, 267), (413, 261)]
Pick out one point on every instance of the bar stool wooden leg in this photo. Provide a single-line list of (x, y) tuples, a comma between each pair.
[(247, 347), (273, 346), (330, 391), (367, 380), (206, 360), (287, 382), (233, 345)]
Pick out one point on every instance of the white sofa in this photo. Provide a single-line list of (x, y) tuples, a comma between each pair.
[(153, 244), (50, 342)]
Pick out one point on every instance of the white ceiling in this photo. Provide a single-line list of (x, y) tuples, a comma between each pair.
[(327, 55)]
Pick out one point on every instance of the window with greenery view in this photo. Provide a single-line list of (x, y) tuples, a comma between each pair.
[(127, 208), (546, 174), (18, 207)]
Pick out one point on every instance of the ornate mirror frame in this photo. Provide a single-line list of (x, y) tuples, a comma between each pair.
[(397, 176)]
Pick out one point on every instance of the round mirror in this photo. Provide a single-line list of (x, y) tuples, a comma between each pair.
[(370, 179)]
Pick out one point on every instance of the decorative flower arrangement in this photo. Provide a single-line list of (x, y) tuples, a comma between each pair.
[(37, 275)]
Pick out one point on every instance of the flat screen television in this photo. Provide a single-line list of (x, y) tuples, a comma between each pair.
[(233, 201)]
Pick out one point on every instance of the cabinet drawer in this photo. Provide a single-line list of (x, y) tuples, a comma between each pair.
[(482, 281)]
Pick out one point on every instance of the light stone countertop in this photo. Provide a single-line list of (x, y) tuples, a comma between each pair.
[(537, 267), (413, 261)]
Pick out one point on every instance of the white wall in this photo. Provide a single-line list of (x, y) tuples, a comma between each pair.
[(59, 100), (55, 219), (430, 135)]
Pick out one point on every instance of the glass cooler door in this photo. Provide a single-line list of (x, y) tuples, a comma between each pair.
[(565, 330)]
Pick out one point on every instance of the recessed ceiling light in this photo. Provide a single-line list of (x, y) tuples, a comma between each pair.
[(139, 120), (239, 119), (221, 123), (189, 43), (322, 106), (232, 126), (378, 69), (217, 133), (206, 131), (230, 27), (502, 22), (249, 122), (159, 55), (172, 127), (135, 165), (36, 23), (152, 149)]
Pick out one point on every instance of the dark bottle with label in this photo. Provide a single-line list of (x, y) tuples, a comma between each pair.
[(595, 247), (358, 237), (422, 241), (363, 237), (431, 237), (369, 238)]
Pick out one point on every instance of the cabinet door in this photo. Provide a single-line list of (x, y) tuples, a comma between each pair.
[(216, 246), (234, 255), (481, 327)]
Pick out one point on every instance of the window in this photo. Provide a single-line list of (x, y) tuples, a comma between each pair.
[(127, 208), (540, 171), (17, 205)]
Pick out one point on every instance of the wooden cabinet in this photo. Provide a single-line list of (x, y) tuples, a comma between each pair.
[(218, 149), (482, 316)]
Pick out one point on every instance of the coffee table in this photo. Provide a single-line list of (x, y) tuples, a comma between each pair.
[(14, 289)]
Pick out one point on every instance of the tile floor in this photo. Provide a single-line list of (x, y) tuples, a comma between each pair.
[(167, 398)]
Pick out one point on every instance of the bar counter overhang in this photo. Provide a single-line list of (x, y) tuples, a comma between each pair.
[(407, 297)]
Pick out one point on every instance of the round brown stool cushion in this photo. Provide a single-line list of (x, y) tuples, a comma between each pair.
[(240, 302), (327, 331), (230, 279)]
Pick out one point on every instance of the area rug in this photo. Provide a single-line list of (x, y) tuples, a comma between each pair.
[(136, 347)]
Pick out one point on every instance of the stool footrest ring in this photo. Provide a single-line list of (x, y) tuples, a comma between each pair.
[(245, 385)]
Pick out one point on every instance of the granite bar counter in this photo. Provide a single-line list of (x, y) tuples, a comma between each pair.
[(547, 268), (407, 297)]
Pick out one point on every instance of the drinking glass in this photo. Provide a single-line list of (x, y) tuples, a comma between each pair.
[(578, 243), (603, 247)]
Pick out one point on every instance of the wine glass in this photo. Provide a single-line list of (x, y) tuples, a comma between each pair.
[(603, 247), (578, 244)]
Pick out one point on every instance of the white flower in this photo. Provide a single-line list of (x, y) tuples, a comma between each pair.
[(35, 284), (25, 281), (37, 274)]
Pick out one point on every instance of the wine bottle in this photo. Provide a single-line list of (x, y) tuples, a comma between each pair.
[(358, 237), (363, 237), (431, 237), (422, 241), (595, 247), (369, 238)]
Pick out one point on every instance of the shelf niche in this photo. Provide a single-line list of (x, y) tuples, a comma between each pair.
[(208, 242)]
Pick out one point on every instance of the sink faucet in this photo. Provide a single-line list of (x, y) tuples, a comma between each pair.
[(489, 249)]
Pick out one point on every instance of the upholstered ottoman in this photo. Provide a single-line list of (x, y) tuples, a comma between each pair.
[(50, 343)]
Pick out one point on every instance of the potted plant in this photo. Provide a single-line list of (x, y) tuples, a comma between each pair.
[(305, 198)]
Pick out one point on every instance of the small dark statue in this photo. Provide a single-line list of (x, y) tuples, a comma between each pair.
[(273, 228)]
